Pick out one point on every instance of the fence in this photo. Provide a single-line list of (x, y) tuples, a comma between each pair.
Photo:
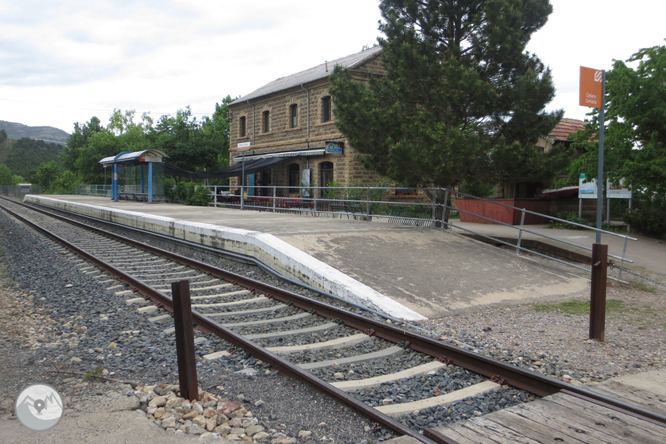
[(368, 203), (95, 190), (18, 192)]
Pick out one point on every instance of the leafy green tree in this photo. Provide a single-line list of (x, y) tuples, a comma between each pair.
[(461, 99), (47, 174), (3, 135), (6, 175), (635, 133), (180, 138), (99, 146), (27, 154), (79, 140)]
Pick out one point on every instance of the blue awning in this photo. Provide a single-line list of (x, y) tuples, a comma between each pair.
[(136, 157)]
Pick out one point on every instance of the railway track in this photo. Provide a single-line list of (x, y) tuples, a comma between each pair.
[(371, 365)]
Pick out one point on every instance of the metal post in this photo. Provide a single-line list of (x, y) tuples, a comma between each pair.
[(628, 225), (434, 207), (215, 194), (314, 196), (367, 209), (520, 232), (580, 207), (447, 210), (608, 210), (182, 318), (624, 253), (242, 194), (600, 173), (274, 197), (598, 292)]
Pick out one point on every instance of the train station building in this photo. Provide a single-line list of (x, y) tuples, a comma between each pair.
[(289, 126)]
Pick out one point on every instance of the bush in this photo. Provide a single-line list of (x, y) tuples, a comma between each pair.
[(571, 217), (188, 193), (649, 217)]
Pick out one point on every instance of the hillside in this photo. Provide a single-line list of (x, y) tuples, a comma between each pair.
[(46, 133)]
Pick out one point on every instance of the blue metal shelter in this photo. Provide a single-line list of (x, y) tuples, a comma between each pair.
[(136, 162)]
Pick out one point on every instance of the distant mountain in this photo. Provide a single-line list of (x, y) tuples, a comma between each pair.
[(46, 133)]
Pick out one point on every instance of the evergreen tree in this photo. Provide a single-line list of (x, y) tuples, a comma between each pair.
[(460, 98)]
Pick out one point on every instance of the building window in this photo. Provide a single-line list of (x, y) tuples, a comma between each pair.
[(326, 109), (266, 121), (294, 178), (241, 127), (293, 115)]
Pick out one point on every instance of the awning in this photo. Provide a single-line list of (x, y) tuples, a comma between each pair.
[(135, 157), (236, 170), (561, 192), (310, 152)]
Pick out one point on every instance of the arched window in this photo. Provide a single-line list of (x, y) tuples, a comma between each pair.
[(294, 178), (326, 109), (266, 121), (241, 127), (293, 116)]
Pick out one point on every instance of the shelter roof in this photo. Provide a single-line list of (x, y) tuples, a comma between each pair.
[(566, 127), (310, 75), (135, 157)]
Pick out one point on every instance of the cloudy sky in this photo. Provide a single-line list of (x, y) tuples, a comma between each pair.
[(64, 61)]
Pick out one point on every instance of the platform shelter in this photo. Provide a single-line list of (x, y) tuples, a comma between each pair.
[(137, 175)]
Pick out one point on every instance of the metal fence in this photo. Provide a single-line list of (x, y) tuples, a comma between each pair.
[(95, 190), (431, 207), (19, 192)]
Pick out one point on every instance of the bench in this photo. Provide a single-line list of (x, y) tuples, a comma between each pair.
[(137, 197)]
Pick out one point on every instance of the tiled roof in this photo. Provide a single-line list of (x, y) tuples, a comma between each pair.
[(309, 75), (566, 127)]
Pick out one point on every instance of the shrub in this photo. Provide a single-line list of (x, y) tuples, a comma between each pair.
[(571, 217), (649, 217)]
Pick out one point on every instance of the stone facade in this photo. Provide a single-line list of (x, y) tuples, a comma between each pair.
[(296, 113)]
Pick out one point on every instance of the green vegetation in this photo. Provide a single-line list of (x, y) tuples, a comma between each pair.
[(461, 98), (188, 193), (571, 217), (94, 375), (27, 155), (582, 307)]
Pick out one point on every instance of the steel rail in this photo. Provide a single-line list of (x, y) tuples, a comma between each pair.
[(207, 325), (496, 370)]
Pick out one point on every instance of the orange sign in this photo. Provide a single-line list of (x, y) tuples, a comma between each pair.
[(591, 87)]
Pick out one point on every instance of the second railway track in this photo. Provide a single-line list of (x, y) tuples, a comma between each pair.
[(393, 375)]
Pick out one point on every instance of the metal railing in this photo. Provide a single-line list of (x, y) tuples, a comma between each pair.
[(368, 203), (18, 192), (95, 190)]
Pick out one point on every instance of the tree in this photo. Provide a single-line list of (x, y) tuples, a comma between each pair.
[(79, 140), (635, 133), (460, 98), (179, 137), (47, 174), (6, 175)]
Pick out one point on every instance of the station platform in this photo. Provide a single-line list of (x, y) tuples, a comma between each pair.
[(413, 272)]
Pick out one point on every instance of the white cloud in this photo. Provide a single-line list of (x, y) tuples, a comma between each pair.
[(63, 62)]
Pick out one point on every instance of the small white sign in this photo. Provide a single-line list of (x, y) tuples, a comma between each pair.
[(617, 192), (244, 146), (587, 190)]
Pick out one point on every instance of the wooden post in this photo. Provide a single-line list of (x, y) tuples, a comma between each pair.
[(598, 293), (182, 318)]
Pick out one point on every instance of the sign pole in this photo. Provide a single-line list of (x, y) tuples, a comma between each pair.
[(242, 196), (600, 197)]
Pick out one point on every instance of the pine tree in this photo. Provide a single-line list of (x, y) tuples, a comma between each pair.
[(461, 99)]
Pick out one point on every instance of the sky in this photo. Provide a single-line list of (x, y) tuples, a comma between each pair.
[(65, 61)]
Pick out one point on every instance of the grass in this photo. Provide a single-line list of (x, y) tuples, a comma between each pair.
[(583, 307), (95, 375), (641, 286)]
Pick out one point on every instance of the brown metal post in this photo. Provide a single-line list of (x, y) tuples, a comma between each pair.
[(598, 293), (182, 318)]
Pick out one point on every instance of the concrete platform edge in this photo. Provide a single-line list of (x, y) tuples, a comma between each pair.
[(265, 248)]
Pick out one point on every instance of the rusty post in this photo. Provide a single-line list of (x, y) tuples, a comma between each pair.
[(598, 293), (182, 318)]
